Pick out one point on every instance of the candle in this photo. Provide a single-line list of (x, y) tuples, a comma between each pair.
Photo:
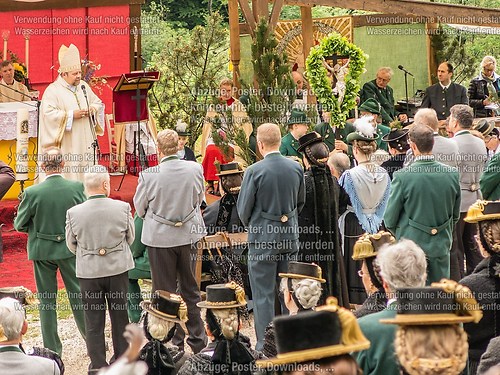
[(27, 47), (5, 35), (22, 145)]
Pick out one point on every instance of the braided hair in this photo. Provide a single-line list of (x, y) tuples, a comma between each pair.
[(317, 154), (432, 350)]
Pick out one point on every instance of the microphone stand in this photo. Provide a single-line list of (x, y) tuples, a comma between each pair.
[(406, 91), (95, 144)]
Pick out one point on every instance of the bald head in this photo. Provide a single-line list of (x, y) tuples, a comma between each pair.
[(268, 137), (338, 163), (427, 116)]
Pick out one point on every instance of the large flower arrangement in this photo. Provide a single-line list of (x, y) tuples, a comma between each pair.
[(317, 75), (89, 68), (20, 71)]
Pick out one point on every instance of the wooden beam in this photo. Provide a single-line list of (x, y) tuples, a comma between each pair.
[(244, 29), (260, 9), (307, 38), (234, 40), (435, 12), (247, 13), (275, 14), (432, 64), (9, 5)]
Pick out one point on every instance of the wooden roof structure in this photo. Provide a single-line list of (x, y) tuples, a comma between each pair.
[(419, 11)]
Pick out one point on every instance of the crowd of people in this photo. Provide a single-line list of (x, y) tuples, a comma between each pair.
[(370, 249)]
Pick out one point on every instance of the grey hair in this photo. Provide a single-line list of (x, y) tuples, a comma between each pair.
[(340, 162), (386, 69), (11, 318), (159, 328), (168, 142), (307, 291), (427, 116), (402, 265), (95, 176), (52, 159), (228, 320), (463, 114), (488, 60)]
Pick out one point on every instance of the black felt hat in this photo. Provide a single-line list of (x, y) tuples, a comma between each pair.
[(165, 305), (224, 296), (300, 270), (308, 139), (230, 168), (311, 335), (446, 302)]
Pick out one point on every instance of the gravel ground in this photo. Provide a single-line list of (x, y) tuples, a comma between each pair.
[(75, 356)]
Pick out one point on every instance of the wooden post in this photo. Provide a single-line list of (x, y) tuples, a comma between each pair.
[(135, 20), (260, 9), (432, 64), (234, 41), (307, 38)]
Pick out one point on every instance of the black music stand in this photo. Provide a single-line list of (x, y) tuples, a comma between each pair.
[(133, 87)]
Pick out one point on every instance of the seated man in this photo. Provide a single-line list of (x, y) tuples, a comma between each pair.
[(10, 89), (13, 360), (444, 94), (380, 90)]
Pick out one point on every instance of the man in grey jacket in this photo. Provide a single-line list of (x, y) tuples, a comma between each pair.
[(271, 197), (168, 197), (100, 231), (471, 162)]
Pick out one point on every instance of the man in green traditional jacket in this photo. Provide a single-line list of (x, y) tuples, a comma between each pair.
[(298, 125), (334, 136), (42, 214), (490, 180), (380, 90), (424, 204), (372, 108)]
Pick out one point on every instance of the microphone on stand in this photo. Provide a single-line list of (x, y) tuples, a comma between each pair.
[(401, 67), (95, 144)]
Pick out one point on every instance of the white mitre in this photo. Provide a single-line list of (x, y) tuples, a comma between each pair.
[(69, 59)]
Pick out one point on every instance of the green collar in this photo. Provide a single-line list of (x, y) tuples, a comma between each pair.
[(167, 158), (97, 196), (460, 132), (10, 348)]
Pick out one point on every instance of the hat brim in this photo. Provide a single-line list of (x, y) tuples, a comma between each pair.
[(298, 276), (355, 136), (184, 134), (364, 256), (226, 173), (298, 123), (146, 306), (313, 354), (477, 219), (385, 138), (309, 142), (207, 305), (427, 319)]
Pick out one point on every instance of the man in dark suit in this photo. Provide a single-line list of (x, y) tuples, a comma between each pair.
[(431, 224), (444, 94), (380, 90), (7, 178), (472, 158), (13, 360), (42, 214), (168, 197), (271, 197)]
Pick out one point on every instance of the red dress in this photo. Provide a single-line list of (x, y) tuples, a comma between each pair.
[(213, 154)]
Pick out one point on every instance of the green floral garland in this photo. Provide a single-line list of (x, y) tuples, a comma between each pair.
[(317, 75)]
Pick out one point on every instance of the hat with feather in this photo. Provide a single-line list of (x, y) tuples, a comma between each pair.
[(182, 128), (365, 131)]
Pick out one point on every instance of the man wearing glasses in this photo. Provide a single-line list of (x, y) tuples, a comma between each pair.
[(380, 90)]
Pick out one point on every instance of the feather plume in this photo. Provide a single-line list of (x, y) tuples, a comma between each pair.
[(181, 126), (364, 126)]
